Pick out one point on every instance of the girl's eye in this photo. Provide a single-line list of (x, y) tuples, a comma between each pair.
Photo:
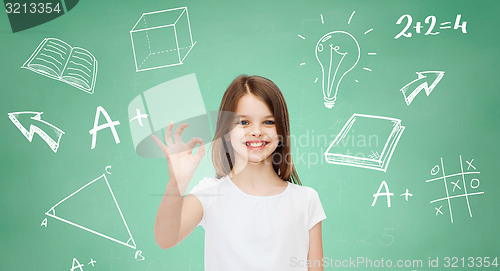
[(243, 122), (268, 122)]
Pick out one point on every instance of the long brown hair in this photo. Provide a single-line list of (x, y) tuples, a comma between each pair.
[(265, 89)]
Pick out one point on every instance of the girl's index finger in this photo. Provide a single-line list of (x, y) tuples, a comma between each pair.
[(201, 151), (168, 134), (159, 143), (195, 140), (178, 132)]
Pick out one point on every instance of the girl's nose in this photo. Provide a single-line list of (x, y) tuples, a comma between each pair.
[(257, 131)]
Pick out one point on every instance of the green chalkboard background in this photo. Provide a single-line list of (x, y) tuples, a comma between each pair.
[(459, 119)]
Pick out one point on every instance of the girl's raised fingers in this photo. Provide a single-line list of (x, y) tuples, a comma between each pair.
[(178, 132), (201, 151), (195, 140), (160, 144), (168, 134)]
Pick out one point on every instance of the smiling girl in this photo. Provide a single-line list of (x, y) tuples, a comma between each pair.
[(256, 214)]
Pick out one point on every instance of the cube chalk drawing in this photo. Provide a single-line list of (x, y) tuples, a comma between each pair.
[(161, 39)]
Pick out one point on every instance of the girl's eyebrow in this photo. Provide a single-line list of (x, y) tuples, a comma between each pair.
[(245, 116)]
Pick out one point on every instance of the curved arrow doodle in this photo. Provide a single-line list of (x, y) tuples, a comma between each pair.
[(422, 82), (52, 142)]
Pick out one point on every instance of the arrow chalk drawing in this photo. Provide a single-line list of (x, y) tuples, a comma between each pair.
[(422, 82), (35, 128)]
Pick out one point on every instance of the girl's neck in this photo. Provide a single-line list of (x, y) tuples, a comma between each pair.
[(255, 175)]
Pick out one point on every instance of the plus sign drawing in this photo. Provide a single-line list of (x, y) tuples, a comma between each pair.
[(457, 187)]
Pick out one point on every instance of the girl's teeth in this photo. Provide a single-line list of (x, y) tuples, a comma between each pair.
[(255, 144)]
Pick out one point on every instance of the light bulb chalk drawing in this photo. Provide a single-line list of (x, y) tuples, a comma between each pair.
[(337, 53)]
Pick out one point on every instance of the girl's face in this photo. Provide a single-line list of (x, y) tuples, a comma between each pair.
[(254, 137)]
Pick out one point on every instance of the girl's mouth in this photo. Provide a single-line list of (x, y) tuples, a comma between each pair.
[(256, 145)]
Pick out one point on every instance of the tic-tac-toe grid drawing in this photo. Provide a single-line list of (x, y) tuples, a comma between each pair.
[(458, 186)]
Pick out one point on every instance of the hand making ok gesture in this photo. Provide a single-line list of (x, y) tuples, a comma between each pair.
[(182, 163)]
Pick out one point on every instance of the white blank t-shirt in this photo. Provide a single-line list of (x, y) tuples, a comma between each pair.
[(255, 233)]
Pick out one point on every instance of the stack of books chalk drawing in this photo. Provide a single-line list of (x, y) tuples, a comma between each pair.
[(365, 141)]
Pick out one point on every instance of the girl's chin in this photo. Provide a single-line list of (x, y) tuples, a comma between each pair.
[(256, 161), (253, 156), (253, 159)]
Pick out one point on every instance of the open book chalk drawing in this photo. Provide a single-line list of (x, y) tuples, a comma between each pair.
[(385, 131), (58, 60)]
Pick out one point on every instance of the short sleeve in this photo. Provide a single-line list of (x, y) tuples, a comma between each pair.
[(316, 212), (202, 192)]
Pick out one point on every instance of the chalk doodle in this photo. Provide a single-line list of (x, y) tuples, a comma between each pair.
[(407, 194), (109, 124), (161, 39), (58, 60), (85, 194), (138, 256), (462, 181), (431, 21), (76, 265), (386, 192), (139, 117), (426, 81), (337, 53), (38, 126), (373, 156)]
